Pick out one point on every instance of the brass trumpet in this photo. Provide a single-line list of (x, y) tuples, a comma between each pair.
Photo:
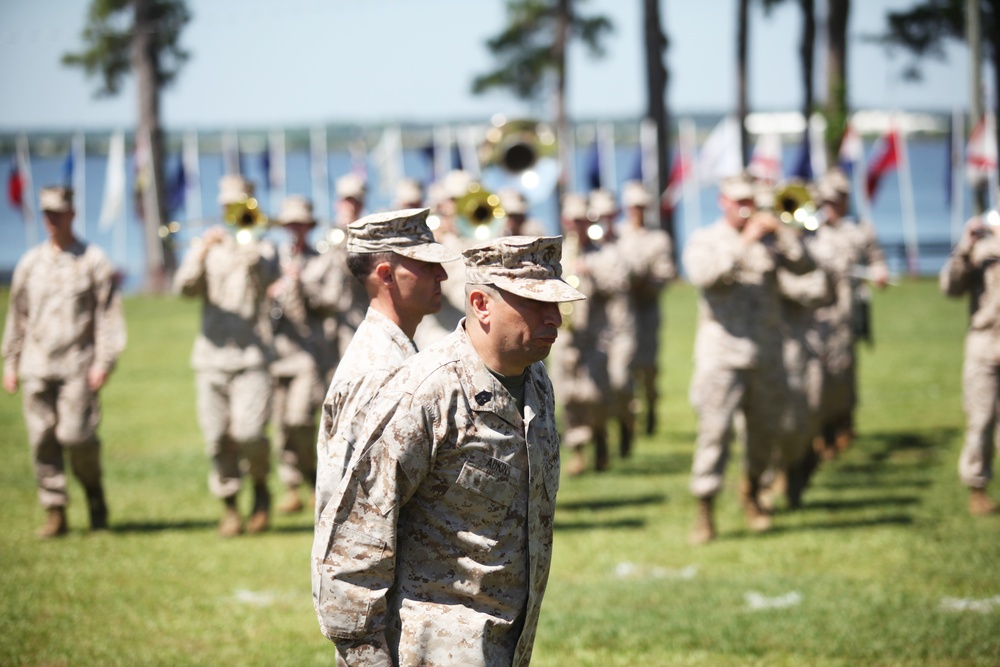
[(479, 208), (794, 206), (247, 217), (517, 145)]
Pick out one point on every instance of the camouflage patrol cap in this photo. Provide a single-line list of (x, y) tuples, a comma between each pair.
[(574, 207), (403, 232), (635, 194), (56, 199), (351, 186), (409, 191), (234, 189), (513, 202), (602, 204), (528, 266), (296, 208), (833, 185), (737, 188)]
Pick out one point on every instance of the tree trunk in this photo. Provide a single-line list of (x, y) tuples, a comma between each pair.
[(807, 51), (656, 108), (742, 30), (160, 260), (564, 14), (836, 74)]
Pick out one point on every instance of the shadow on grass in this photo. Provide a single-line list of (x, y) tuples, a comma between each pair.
[(631, 524), (611, 503), (844, 504), (660, 464), (778, 529), (161, 526)]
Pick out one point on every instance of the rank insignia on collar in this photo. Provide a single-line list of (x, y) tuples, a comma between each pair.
[(483, 397)]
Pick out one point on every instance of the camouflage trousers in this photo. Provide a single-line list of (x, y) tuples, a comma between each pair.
[(981, 390), (233, 408), (719, 396), (62, 414), (295, 402)]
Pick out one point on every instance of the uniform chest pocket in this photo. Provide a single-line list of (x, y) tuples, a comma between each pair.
[(492, 479)]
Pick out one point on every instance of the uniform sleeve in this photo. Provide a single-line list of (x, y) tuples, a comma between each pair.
[(17, 319), (792, 252), (189, 280), (322, 286), (354, 551), (871, 251), (109, 317), (709, 264), (955, 278)]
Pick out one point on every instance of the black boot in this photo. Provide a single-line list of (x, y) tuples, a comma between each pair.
[(98, 508)]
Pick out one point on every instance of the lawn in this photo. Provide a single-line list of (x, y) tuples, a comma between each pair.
[(883, 565)]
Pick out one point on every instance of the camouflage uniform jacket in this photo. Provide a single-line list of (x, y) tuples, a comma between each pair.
[(974, 269), (377, 350), (437, 544), (739, 307), (65, 313), (231, 279), (297, 315)]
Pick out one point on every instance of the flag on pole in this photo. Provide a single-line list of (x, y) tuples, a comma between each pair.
[(275, 173), (592, 171), (679, 170), (15, 186), (981, 152), (803, 167), (765, 162), (884, 158), (26, 189), (232, 162), (176, 187), (113, 205), (67, 167), (851, 151), (387, 159), (192, 177), (720, 154), (320, 170), (78, 180)]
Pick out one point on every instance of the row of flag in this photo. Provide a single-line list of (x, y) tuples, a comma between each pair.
[(718, 158)]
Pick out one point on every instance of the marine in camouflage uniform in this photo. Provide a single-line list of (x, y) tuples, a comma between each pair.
[(738, 346), (65, 330), (229, 273), (300, 300), (435, 549), (650, 252), (580, 364), (844, 247), (974, 269), (394, 255)]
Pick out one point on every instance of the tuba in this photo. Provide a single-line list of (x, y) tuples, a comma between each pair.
[(247, 218), (525, 152), (794, 206)]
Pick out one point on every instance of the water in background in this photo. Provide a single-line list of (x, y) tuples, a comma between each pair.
[(928, 158)]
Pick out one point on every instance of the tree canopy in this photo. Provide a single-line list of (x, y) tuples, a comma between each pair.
[(524, 47), (108, 39)]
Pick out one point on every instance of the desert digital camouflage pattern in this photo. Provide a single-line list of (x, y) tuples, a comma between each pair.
[(527, 266), (648, 251), (435, 549), (974, 269), (374, 354), (65, 317), (840, 248), (738, 346)]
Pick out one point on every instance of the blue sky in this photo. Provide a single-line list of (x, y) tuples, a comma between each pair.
[(261, 63)]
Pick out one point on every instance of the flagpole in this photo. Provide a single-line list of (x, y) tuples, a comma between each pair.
[(908, 208), (692, 198), (606, 156), (858, 174), (993, 175), (442, 151), (957, 162), (320, 172), (650, 168), (192, 170), (277, 177), (27, 205), (80, 181)]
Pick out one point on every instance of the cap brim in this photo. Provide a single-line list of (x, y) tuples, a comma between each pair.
[(434, 253), (553, 290)]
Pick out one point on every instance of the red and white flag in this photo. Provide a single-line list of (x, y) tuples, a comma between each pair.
[(765, 163), (852, 150), (679, 170), (884, 158), (720, 154), (981, 151)]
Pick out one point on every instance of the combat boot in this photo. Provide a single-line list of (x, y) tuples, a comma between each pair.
[(757, 517), (260, 517), (625, 445), (55, 523), (231, 524), (651, 422), (601, 459), (703, 531), (98, 508), (981, 504), (291, 502)]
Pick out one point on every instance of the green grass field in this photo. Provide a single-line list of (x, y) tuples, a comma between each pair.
[(883, 566)]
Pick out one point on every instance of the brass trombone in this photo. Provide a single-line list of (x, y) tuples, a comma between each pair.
[(479, 209), (517, 145), (247, 217), (794, 206)]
